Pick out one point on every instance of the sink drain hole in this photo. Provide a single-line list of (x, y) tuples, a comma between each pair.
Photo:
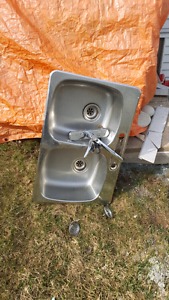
[(79, 165), (113, 167), (91, 112)]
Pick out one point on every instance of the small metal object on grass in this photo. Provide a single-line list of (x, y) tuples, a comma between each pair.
[(74, 228), (108, 212)]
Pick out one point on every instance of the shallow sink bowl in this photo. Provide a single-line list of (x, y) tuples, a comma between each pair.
[(64, 175), (79, 103)]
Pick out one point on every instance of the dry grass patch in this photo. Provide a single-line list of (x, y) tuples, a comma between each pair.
[(110, 259)]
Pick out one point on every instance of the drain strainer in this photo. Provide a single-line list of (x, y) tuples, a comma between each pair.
[(79, 165), (74, 228), (91, 112)]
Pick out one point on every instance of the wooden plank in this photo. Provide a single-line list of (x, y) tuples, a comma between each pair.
[(159, 101), (161, 158)]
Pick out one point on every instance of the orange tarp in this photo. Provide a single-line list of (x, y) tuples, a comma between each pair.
[(113, 40)]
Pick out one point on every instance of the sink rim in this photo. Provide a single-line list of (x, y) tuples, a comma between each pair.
[(112, 106)]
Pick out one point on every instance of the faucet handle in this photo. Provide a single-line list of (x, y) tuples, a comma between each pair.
[(96, 133), (116, 156)]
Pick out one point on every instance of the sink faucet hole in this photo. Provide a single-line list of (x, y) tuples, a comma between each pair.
[(79, 165), (113, 167), (91, 112)]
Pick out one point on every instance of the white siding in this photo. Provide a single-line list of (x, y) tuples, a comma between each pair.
[(165, 59), (166, 26), (166, 41)]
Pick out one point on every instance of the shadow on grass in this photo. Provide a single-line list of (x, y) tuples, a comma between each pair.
[(133, 175)]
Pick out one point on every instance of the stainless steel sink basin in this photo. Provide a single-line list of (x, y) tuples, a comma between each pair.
[(66, 176), (84, 105), (85, 117)]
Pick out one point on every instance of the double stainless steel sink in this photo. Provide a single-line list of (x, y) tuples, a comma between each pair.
[(85, 120)]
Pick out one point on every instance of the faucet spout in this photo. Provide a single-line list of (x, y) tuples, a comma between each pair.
[(111, 151), (90, 147)]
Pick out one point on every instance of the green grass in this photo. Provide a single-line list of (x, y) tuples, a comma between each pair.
[(110, 259)]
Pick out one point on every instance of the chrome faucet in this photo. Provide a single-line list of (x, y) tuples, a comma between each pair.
[(94, 141)]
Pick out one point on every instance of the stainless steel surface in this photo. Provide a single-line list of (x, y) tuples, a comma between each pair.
[(99, 133), (108, 212), (91, 112), (74, 228), (63, 174), (95, 143), (116, 156), (70, 105), (79, 165), (62, 180), (90, 147)]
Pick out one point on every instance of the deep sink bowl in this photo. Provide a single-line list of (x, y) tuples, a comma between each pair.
[(67, 176), (81, 105)]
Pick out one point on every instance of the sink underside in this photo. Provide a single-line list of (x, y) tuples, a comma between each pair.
[(78, 104)]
